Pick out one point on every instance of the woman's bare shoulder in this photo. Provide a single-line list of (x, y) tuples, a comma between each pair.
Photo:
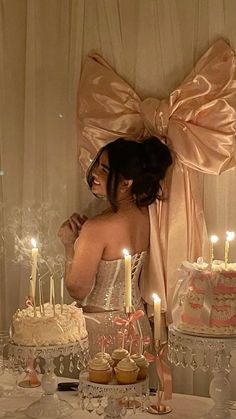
[(100, 221)]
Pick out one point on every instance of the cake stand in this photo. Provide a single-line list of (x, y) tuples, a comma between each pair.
[(119, 396), (50, 406), (208, 353)]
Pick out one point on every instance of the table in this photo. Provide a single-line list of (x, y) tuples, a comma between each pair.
[(184, 406)]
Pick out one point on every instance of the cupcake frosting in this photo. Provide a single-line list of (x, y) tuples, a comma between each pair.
[(104, 355), (127, 364), (140, 360), (99, 364), (119, 353)]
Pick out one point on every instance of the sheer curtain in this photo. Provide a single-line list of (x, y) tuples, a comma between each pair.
[(152, 44)]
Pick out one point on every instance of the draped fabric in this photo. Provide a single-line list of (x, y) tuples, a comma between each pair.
[(198, 123)]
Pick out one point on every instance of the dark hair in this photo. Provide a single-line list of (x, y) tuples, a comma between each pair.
[(145, 162)]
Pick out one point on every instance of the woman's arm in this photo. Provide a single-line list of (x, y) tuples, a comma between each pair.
[(82, 267)]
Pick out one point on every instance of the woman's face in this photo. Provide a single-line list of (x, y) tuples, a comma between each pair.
[(100, 174)]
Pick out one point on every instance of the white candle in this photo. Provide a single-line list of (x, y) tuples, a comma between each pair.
[(50, 290), (229, 237), (128, 285), (34, 254), (40, 297), (213, 240), (53, 297), (33, 296), (62, 293), (157, 317)]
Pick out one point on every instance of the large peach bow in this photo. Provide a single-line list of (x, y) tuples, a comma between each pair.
[(198, 122)]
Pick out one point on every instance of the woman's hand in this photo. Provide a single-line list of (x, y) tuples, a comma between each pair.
[(70, 229)]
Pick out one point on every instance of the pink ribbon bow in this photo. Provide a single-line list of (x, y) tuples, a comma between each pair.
[(129, 322), (163, 370), (197, 121)]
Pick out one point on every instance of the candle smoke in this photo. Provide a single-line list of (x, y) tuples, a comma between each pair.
[(41, 223)]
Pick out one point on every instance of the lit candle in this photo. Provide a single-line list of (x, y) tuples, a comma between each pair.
[(229, 237), (34, 254), (62, 293), (157, 317), (128, 286), (213, 240)]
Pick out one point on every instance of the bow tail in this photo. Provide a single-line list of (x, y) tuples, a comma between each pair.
[(164, 374)]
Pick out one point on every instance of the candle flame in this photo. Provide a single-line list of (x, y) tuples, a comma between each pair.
[(33, 242), (214, 239), (230, 235), (125, 252), (156, 297)]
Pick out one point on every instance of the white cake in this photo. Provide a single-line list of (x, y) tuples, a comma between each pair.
[(63, 328), (207, 299)]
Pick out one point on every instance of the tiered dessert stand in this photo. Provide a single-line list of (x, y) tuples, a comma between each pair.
[(50, 406), (207, 353), (111, 399)]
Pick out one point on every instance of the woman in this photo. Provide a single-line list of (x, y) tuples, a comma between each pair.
[(128, 173)]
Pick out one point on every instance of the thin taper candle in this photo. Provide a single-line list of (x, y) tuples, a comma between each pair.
[(128, 284), (50, 289), (34, 254), (229, 237), (157, 317), (62, 293), (33, 296), (53, 298), (213, 240), (40, 296)]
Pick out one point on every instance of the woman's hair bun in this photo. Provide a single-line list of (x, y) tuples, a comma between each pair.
[(156, 157)]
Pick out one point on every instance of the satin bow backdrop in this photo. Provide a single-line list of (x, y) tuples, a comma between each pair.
[(198, 123)]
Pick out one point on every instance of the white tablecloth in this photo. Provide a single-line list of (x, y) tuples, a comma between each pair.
[(184, 406)]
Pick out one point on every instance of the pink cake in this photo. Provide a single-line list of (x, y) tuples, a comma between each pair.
[(207, 299)]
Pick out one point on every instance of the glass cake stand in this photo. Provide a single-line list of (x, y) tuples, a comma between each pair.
[(50, 406), (208, 353), (119, 397)]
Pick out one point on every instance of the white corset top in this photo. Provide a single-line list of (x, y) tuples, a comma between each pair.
[(108, 290)]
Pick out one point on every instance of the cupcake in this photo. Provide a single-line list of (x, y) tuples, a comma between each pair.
[(106, 356), (143, 365), (126, 371), (118, 354), (100, 370)]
